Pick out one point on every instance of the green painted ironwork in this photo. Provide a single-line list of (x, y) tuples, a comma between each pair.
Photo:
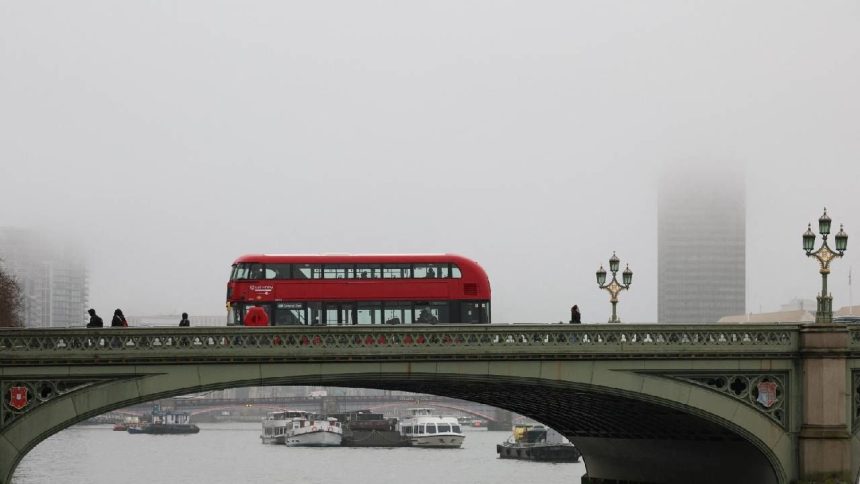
[(744, 387), (218, 344), (38, 391)]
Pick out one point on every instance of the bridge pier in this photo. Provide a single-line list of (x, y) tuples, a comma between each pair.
[(825, 439), (662, 461)]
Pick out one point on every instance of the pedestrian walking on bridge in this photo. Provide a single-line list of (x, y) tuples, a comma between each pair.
[(95, 320), (118, 320), (575, 317)]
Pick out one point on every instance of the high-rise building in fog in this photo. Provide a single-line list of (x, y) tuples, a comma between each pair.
[(701, 247), (52, 277)]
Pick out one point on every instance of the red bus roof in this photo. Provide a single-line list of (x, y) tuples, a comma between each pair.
[(357, 259)]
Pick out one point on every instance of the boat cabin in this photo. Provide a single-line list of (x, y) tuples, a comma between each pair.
[(171, 418), (430, 428), (423, 411), (422, 421), (536, 434)]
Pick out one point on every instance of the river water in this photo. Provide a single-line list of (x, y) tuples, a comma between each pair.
[(231, 453)]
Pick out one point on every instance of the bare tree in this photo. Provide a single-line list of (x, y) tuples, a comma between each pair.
[(11, 301)]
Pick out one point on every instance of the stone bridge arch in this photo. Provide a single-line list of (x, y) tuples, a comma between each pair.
[(632, 420)]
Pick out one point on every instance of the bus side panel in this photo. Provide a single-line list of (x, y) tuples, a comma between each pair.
[(414, 290)]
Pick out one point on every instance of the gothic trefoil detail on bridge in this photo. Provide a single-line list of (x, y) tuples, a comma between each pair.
[(21, 396), (767, 392)]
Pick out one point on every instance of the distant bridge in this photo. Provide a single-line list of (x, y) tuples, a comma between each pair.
[(342, 403), (644, 403)]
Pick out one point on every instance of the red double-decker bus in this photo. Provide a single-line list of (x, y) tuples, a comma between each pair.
[(357, 289)]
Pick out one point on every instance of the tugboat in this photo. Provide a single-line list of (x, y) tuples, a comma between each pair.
[(296, 428), (537, 443), (364, 428), (166, 422)]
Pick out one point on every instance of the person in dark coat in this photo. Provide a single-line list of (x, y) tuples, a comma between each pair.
[(185, 321), (95, 320), (118, 319), (575, 317)]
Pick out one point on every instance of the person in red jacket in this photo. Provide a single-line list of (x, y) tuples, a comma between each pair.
[(256, 316)]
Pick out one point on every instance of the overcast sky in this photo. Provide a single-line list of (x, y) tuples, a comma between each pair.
[(168, 138)]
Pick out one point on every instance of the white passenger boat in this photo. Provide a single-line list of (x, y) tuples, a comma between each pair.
[(296, 428), (425, 429)]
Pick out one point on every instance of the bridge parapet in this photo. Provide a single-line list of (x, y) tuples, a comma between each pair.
[(40, 346)]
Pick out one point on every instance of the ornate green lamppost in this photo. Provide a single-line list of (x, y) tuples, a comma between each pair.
[(824, 254), (614, 287)]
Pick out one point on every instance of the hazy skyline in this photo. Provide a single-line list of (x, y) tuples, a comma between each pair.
[(701, 228), (169, 138)]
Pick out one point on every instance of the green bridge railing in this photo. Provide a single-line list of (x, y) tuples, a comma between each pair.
[(408, 342)]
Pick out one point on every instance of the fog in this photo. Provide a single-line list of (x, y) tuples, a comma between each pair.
[(168, 138)]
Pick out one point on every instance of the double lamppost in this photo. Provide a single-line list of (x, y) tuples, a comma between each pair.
[(824, 313), (614, 287)]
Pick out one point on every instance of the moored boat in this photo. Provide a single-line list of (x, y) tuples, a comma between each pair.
[(126, 424), (425, 429), (364, 428), (538, 443), (296, 428), (166, 422)]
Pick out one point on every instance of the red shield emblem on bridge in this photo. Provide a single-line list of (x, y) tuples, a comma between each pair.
[(766, 393), (18, 397)]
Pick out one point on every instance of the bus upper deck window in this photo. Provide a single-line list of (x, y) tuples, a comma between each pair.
[(455, 272), (278, 271), (368, 271), (307, 271), (240, 271), (430, 271), (255, 271), (338, 271), (396, 271)]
